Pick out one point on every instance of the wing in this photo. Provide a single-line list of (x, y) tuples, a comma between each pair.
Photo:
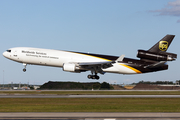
[(95, 66), (98, 66)]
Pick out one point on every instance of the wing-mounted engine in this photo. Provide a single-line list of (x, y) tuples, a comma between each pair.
[(71, 67), (161, 56)]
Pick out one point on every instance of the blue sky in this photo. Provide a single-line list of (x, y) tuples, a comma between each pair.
[(112, 27)]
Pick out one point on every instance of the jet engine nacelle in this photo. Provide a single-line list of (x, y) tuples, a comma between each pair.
[(69, 67), (162, 56)]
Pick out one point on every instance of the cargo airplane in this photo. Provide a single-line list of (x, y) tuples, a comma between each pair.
[(150, 60)]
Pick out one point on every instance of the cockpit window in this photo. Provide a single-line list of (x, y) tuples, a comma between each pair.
[(8, 50)]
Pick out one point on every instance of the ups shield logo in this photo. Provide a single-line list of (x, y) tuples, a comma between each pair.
[(163, 45)]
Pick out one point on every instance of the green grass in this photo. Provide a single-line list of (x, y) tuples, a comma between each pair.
[(89, 105), (94, 92)]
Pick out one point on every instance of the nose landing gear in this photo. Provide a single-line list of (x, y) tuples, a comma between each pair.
[(24, 70)]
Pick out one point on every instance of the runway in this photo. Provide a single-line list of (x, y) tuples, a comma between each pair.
[(88, 115), (87, 96), (91, 116)]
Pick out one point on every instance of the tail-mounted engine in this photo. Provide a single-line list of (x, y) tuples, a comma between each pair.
[(161, 56)]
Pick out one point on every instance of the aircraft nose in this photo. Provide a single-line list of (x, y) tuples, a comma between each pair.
[(5, 54)]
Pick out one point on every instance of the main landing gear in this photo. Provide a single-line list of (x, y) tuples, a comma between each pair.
[(24, 70), (93, 77), (94, 70)]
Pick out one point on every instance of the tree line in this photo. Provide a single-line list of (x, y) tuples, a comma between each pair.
[(76, 86)]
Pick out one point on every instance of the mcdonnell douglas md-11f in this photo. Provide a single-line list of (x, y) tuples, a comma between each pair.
[(150, 60)]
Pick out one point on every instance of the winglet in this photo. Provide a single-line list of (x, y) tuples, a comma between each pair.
[(120, 58)]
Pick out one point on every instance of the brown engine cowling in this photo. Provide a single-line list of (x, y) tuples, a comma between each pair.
[(162, 56)]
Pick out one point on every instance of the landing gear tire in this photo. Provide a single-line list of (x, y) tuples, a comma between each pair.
[(96, 77), (24, 70), (93, 77), (89, 76)]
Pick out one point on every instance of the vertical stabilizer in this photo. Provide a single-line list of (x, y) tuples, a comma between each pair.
[(162, 45)]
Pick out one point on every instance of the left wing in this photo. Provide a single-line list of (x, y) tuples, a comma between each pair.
[(95, 66), (98, 66)]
